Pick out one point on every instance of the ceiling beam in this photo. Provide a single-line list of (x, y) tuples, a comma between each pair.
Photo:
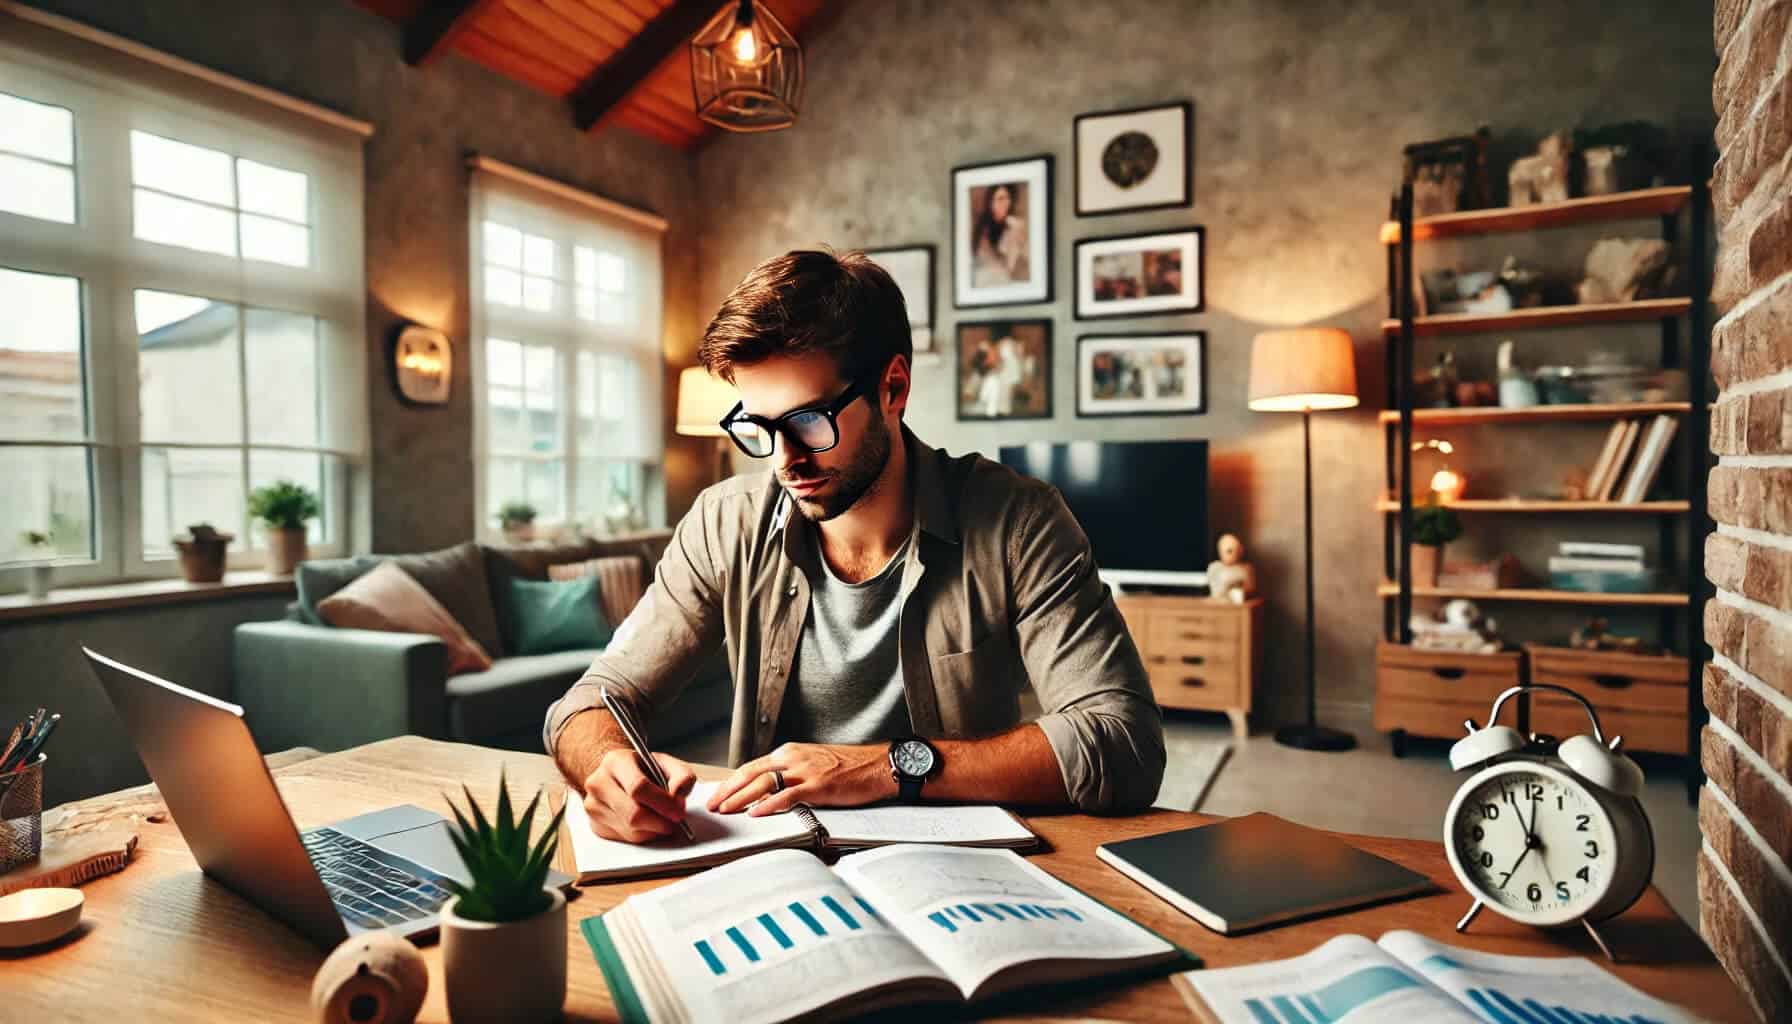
[(433, 28), (618, 76)]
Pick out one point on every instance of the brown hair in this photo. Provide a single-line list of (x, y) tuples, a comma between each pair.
[(811, 301)]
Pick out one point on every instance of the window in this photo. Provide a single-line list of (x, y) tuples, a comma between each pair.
[(170, 339), (567, 365)]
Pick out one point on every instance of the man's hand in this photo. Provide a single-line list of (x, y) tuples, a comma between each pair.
[(821, 775), (624, 804)]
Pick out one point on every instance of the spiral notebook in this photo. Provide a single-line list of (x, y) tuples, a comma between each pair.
[(725, 837)]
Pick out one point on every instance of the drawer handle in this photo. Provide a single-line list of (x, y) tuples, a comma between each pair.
[(1194, 659), (1612, 682), (1193, 681), (1451, 674)]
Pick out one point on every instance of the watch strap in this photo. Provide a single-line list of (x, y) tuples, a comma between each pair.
[(909, 788)]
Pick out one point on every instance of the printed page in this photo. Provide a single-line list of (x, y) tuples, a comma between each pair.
[(771, 937), (1348, 980), (717, 836), (975, 912), (1530, 989), (903, 823)]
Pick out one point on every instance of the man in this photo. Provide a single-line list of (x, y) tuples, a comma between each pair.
[(871, 592)]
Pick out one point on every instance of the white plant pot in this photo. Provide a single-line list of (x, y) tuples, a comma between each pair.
[(514, 971), (40, 581)]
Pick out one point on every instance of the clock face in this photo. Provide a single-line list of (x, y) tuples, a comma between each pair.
[(913, 758), (1532, 842)]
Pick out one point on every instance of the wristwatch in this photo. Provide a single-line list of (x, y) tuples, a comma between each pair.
[(912, 760)]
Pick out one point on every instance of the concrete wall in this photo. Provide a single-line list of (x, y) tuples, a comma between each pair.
[(1300, 113), (425, 121)]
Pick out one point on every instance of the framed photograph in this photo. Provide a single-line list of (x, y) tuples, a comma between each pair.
[(1138, 159), (1005, 370), (1140, 275), (911, 266), (1002, 233), (1141, 374)]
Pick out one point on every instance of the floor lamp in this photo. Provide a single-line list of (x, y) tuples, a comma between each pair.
[(1305, 370), (702, 402)]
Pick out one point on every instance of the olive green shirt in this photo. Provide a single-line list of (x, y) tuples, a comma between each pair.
[(999, 591)]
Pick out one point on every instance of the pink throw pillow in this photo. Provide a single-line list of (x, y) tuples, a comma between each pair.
[(390, 600)]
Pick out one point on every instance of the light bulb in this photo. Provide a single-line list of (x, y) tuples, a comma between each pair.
[(745, 47), (1448, 486)]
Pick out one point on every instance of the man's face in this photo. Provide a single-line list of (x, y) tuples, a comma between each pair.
[(823, 484)]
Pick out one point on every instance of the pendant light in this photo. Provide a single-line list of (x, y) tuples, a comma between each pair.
[(746, 70)]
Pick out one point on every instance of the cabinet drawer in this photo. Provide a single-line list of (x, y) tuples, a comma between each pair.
[(1620, 681), (1196, 687), (1661, 732), (1440, 718), (1175, 631), (1403, 672)]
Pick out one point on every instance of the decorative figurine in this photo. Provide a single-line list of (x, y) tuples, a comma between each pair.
[(1543, 176), (372, 978), (1461, 628), (1231, 578)]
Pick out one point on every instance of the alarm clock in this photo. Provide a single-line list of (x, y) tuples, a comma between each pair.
[(1547, 837)]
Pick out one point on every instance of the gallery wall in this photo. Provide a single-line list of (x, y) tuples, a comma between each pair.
[(1300, 111)]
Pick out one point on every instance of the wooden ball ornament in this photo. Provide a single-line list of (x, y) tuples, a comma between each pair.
[(372, 978)]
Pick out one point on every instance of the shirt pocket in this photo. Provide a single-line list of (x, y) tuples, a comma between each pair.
[(978, 690)]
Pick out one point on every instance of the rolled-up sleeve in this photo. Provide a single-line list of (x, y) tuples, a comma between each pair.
[(1100, 717), (673, 629)]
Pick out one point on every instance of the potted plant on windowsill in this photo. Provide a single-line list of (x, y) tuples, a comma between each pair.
[(38, 544), (504, 934), (517, 520), (201, 552), (1434, 525), (284, 508)]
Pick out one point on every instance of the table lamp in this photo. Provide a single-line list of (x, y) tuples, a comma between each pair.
[(702, 402), (1304, 370)]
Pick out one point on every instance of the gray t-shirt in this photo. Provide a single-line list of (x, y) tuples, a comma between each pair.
[(846, 683)]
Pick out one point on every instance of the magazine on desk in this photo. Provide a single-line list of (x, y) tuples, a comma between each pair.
[(1408, 977), (725, 837), (781, 935)]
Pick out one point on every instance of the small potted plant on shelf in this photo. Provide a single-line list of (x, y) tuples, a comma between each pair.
[(504, 933), (1433, 526), (284, 508), (38, 544), (201, 551), (517, 520)]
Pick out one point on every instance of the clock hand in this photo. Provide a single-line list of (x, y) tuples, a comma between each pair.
[(1514, 868)]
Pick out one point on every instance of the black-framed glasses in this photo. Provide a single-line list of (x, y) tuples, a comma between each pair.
[(813, 429)]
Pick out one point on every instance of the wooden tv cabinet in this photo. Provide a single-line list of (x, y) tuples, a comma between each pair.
[(1201, 654)]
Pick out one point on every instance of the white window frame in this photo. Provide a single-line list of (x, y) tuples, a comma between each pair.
[(570, 217), (60, 63)]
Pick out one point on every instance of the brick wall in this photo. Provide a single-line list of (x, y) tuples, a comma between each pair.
[(1745, 811)]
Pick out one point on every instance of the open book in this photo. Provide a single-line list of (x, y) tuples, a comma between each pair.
[(725, 837), (1408, 977), (782, 935)]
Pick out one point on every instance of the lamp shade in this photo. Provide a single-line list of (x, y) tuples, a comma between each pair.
[(1303, 369), (702, 402)]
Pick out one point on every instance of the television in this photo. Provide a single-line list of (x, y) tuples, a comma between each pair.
[(1142, 503)]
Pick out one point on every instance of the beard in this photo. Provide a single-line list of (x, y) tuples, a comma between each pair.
[(852, 481)]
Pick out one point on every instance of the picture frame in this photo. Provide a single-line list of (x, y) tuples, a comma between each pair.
[(911, 267), (1133, 159), (1002, 233), (1154, 373), (1004, 369), (1148, 274)]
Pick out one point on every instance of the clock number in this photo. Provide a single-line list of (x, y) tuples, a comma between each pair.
[(1562, 889), (1486, 859), (1533, 791), (1559, 802), (1592, 849), (1533, 893), (1490, 811), (1581, 821), (1582, 875)]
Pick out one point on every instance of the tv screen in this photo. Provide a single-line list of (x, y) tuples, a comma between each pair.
[(1142, 503)]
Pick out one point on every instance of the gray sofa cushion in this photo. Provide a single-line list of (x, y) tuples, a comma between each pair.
[(513, 694), (454, 576), (319, 578)]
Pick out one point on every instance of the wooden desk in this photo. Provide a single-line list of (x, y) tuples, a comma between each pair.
[(161, 942)]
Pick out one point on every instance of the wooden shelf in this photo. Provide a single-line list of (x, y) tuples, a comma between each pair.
[(1389, 589), (1517, 505), (1539, 317), (1538, 413), (1648, 202), (76, 600)]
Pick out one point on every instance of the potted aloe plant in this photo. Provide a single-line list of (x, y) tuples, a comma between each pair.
[(1433, 526), (504, 933), (517, 520), (284, 508)]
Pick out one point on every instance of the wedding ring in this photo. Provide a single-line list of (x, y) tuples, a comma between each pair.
[(777, 781)]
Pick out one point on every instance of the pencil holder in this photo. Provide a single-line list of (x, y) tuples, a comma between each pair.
[(22, 815)]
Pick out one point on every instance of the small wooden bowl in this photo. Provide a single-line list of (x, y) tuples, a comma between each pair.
[(32, 917)]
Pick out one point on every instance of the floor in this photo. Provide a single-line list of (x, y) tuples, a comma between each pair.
[(1365, 790)]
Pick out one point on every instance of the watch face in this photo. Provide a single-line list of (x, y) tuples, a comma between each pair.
[(912, 757), (1532, 842)]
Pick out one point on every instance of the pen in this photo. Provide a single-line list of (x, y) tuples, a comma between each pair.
[(648, 764), (37, 741)]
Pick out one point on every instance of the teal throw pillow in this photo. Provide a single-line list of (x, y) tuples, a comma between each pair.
[(552, 615)]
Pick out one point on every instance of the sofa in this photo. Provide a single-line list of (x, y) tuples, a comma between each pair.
[(302, 682)]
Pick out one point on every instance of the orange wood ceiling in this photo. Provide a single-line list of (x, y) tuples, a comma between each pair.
[(554, 45)]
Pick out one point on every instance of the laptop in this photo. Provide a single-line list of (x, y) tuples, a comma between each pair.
[(384, 871)]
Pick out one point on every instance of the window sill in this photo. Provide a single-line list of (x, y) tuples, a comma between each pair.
[(115, 596)]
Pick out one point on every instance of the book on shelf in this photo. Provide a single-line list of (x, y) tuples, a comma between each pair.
[(1563, 563), (1650, 455), (1599, 549), (1624, 435), (1406, 976), (782, 935), (724, 837), (1602, 466)]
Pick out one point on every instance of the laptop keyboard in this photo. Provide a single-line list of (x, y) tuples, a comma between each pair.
[(370, 887)]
